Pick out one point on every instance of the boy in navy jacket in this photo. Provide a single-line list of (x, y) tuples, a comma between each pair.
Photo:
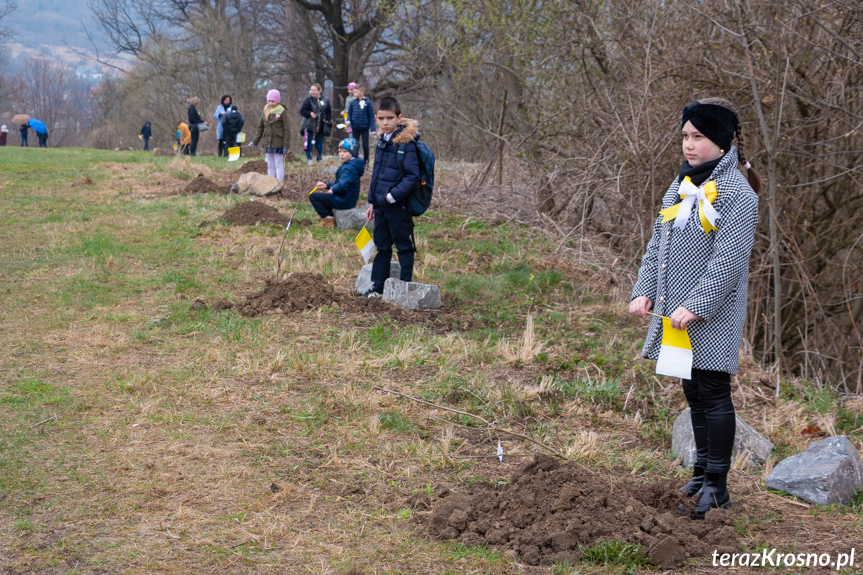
[(343, 193), (389, 193), (361, 118)]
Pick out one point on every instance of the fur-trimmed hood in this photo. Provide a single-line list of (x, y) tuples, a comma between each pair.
[(409, 130)]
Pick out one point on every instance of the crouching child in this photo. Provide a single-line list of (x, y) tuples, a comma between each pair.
[(343, 193), (393, 181)]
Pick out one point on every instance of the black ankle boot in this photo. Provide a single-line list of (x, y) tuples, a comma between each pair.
[(714, 495), (695, 484)]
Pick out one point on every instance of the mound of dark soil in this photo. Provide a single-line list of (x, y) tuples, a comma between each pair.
[(297, 292), (259, 166), (202, 185), (551, 511), (253, 213), (303, 290)]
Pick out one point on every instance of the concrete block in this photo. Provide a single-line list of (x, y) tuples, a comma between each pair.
[(352, 219), (412, 295), (364, 279)]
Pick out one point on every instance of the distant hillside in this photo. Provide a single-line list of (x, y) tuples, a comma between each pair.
[(52, 27)]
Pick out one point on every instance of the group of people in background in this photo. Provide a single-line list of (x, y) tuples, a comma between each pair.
[(316, 124), (24, 129)]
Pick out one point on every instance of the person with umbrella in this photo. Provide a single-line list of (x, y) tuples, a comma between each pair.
[(22, 119), (41, 131)]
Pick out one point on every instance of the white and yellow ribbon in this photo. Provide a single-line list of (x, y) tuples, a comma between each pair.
[(705, 195)]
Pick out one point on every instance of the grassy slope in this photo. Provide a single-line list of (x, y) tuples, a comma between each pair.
[(142, 435)]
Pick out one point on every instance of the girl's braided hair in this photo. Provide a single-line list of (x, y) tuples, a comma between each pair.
[(752, 175)]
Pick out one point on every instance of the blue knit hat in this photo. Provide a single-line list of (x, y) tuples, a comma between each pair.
[(350, 145)]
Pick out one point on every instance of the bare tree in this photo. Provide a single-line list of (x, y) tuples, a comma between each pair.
[(339, 38)]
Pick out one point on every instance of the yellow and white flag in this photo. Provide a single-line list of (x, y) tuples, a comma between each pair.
[(675, 355), (366, 245), (241, 137), (233, 154)]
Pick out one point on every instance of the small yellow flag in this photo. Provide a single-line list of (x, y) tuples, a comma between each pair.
[(241, 137), (675, 353), (233, 154), (365, 244)]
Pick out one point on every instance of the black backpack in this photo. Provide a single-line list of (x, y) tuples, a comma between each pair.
[(421, 198), (233, 120)]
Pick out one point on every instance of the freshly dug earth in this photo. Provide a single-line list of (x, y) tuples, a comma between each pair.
[(551, 511), (259, 166), (303, 290), (253, 213), (202, 185)]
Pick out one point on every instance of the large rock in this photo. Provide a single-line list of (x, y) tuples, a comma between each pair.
[(412, 295), (354, 218), (828, 472), (256, 184), (364, 279), (745, 439)]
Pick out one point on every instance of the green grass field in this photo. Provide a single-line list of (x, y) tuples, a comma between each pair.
[(140, 433)]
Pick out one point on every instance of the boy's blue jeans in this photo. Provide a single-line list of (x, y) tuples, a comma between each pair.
[(393, 226), (323, 203)]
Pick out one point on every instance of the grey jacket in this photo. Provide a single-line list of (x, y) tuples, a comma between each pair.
[(707, 274)]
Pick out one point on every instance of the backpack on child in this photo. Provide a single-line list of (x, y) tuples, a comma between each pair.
[(421, 198), (233, 121)]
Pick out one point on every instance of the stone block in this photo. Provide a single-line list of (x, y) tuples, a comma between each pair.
[(828, 472), (745, 439), (412, 295), (352, 219), (364, 279), (260, 185)]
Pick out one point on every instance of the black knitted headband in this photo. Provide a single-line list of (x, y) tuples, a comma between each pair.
[(717, 123)]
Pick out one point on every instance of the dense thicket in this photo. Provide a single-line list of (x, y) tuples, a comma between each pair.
[(588, 96)]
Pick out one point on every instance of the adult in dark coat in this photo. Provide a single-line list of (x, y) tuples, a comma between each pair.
[(317, 123), (23, 130), (232, 122), (146, 132), (194, 119)]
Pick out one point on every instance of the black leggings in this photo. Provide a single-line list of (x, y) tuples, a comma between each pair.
[(713, 421)]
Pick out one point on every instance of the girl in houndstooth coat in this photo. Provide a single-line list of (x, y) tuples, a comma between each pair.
[(696, 271)]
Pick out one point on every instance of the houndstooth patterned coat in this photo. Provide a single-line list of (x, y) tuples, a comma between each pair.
[(707, 274)]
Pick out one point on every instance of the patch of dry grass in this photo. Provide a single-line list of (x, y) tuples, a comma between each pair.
[(180, 439)]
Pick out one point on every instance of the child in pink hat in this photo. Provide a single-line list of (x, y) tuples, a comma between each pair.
[(351, 87), (272, 134)]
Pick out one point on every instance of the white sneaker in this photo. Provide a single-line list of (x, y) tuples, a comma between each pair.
[(372, 294), (311, 162)]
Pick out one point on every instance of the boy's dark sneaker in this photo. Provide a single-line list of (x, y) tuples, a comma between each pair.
[(372, 294)]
